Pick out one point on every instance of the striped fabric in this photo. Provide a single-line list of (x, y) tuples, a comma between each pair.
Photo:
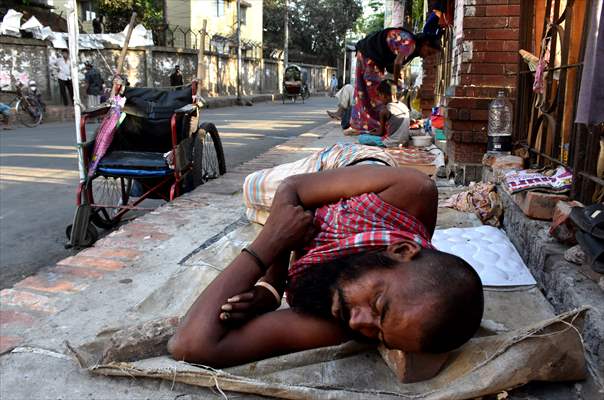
[(356, 225), (259, 187)]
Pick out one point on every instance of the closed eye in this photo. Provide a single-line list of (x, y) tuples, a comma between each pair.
[(385, 309)]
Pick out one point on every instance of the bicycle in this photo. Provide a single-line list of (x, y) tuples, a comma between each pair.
[(29, 109)]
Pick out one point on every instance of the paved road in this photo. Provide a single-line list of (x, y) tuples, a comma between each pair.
[(38, 175)]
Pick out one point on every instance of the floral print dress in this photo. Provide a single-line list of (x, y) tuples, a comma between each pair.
[(366, 111)]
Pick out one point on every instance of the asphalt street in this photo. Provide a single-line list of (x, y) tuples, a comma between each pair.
[(38, 175)]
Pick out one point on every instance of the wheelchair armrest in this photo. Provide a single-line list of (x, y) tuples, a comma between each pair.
[(188, 109), (99, 110)]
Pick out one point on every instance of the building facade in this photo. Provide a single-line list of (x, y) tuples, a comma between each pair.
[(188, 15), (221, 17)]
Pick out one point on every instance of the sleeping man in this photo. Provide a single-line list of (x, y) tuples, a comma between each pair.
[(364, 269)]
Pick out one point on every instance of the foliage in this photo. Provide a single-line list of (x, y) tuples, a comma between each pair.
[(417, 12), (316, 27), (116, 13), (375, 21)]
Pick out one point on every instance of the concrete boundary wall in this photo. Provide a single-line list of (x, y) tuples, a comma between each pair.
[(24, 59), (567, 286)]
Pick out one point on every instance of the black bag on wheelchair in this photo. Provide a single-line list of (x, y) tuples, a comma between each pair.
[(147, 124)]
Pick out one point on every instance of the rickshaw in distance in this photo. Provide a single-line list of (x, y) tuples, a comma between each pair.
[(294, 84)]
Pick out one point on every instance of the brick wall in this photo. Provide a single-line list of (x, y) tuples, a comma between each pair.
[(485, 60), (426, 92)]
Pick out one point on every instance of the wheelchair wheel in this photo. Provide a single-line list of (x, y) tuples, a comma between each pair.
[(91, 236), (208, 155), (111, 192)]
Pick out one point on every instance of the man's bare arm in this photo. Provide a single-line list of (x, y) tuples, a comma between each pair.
[(204, 337), (271, 334), (404, 188)]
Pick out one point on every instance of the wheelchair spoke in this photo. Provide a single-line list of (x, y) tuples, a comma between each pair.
[(209, 159), (109, 192)]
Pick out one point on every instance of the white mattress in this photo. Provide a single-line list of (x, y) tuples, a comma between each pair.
[(489, 251)]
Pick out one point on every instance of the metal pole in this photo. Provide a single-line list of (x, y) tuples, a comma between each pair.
[(286, 36), (72, 29), (239, 50)]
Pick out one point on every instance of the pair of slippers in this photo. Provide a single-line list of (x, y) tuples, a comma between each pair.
[(590, 233)]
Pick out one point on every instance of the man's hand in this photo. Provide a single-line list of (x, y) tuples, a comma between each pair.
[(287, 228), (244, 306)]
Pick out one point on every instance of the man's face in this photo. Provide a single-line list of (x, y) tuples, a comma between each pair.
[(375, 306)]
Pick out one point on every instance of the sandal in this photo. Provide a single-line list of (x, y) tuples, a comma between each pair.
[(589, 219)]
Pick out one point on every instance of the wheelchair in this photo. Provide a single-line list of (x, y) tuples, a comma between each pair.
[(160, 150)]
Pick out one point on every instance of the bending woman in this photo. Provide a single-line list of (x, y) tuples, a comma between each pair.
[(385, 50)]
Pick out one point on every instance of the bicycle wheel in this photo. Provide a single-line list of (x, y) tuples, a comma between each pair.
[(28, 113), (108, 193), (208, 155)]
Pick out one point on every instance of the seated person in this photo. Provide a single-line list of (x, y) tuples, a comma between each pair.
[(345, 98), (6, 115), (394, 119), (366, 271)]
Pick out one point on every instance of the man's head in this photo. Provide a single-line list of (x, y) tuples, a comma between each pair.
[(411, 299), (427, 44), (177, 69), (88, 65), (384, 90), (65, 54)]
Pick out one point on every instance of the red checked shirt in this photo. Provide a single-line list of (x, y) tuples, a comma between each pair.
[(355, 225)]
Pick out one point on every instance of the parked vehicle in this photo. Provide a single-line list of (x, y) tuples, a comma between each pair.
[(161, 149), (294, 84), (28, 104)]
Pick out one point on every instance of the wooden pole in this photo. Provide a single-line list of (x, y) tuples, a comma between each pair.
[(286, 36), (239, 50), (120, 61), (344, 66)]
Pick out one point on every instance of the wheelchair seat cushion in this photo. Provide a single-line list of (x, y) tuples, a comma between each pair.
[(134, 160), (135, 164)]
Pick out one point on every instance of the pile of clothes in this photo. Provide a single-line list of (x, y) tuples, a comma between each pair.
[(557, 180), (481, 199)]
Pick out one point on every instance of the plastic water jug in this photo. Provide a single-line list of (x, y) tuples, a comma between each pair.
[(500, 125)]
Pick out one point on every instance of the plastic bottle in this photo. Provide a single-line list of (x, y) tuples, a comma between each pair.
[(500, 125)]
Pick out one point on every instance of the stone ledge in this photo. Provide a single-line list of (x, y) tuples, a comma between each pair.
[(563, 283)]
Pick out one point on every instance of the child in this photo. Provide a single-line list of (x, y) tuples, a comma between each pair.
[(6, 115), (394, 120)]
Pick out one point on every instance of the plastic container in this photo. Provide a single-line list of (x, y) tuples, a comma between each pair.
[(500, 125), (421, 141)]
